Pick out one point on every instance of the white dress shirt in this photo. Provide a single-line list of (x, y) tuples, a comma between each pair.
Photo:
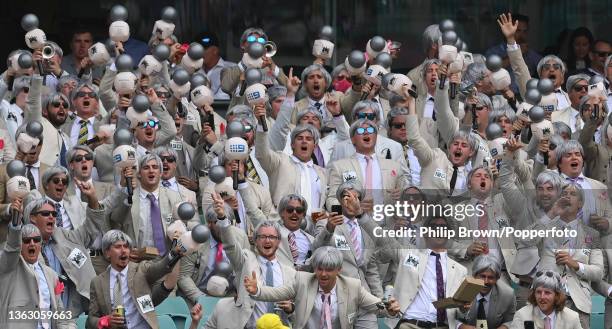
[(562, 99), (429, 107), (553, 317), (377, 181), (303, 245), (210, 267), (145, 232), (262, 307), (44, 293), (132, 316), (76, 127), (173, 184), (314, 321), (422, 308), (310, 187)]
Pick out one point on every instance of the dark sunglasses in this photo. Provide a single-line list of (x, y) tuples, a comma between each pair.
[(80, 157), (57, 180), (398, 125), (549, 274), (549, 66), (148, 123), (581, 88), (58, 103), (46, 213), (369, 116), (169, 158), (91, 94), (362, 131), (163, 94), (299, 210), (479, 108), (602, 53), (27, 240), (252, 38)]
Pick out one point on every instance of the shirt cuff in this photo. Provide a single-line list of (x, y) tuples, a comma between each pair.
[(276, 71), (580, 271), (514, 46), (112, 67)]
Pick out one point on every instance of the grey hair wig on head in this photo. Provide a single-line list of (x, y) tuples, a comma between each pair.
[(572, 80), (165, 149), (82, 85), (427, 64), (567, 147), (431, 35), (468, 136), (548, 58), (351, 184), (211, 216), (52, 172), (148, 157), (113, 236), (504, 111), (33, 206), (274, 225), (54, 96), (73, 151), (28, 230), (394, 113), (310, 109), (484, 263), (328, 258), (547, 279), (313, 68), (284, 202), (302, 128), (362, 105), (252, 30), (550, 177)]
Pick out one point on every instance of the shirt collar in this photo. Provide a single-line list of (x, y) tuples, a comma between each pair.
[(486, 297), (361, 156), (543, 316), (298, 161), (144, 194), (263, 260), (172, 180), (90, 120), (312, 102), (114, 272), (332, 292), (61, 202), (35, 165), (441, 253), (350, 221)]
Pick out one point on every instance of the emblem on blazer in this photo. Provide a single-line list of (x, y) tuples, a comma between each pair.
[(502, 222), (349, 175), (77, 258), (411, 260), (341, 243), (440, 174), (145, 303)]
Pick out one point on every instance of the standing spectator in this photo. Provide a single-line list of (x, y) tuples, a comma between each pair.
[(213, 65), (580, 43), (81, 40)]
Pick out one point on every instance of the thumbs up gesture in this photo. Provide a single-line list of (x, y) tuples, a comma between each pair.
[(250, 283)]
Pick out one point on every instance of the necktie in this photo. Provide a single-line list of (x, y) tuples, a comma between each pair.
[(59, 222), (547, 323), (293, 247), (433, 113), (31, 178), (453, 180), (83, 132), (117, 293), (166, 183), (326, 311), (219, 254), (317, 157), (44, 254), (270, 283), (440, 286), (355, 240), (406, 150), (368, 178), (481, 314), (63, 155), (388, 155), (252, 172), (318, 106), (156, 222)]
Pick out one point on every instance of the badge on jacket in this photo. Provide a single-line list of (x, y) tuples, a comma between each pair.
[(145, 303), (440, 174), (77, 258), (349, 175), (341, 243)]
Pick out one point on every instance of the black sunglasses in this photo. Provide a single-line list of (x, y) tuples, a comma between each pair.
[(91, 94), (602, 53), (46, 213), (398, 125), (57, 180), (299, 210), (80, 157), (58, 103), (169, 158), (549, 274), (27, 240), (369, 116), (581, 88)]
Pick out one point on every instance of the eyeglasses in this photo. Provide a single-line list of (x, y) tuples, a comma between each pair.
[(299, 210), (398, 125), (58, 103), (28, 240), (362, 131), (252, 38), (163, 94), (149, 123), (268, 237), (169, 158), (553, 66), (581, 88), (46, 213), (91, 94), (369, 116), (602, 53), (549, 274), (57, 180), (80, 157)]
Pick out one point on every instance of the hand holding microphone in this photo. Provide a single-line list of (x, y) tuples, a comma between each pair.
[(119, 30), (236, 148), (124, 157), (17, 187), (255, 93), (35, 38), (447, 52)]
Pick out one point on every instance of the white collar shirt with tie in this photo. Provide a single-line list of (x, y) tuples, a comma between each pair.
[(376, 190), (132, 316), (171, 184), (303, 245), (461, 183), (210, 267), (487, 299), (552, 316), (76, 128), (315, 319), (589, 208), (35, 170), (310, 187), (44, 293), (262, 307), (145, 232), (428, 111), (321, 108), (66, 222), (353, 224), (562, 99), (421, 307)]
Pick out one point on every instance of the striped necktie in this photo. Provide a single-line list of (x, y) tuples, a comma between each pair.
[(83, 132), (252, 172)]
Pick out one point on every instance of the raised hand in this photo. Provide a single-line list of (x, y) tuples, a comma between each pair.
[(508, 27), (293, 83), (250, 283), (218, 205)]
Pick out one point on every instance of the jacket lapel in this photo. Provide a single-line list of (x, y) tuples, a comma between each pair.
[(357, 169), (135, 212), (493, 304), (105, 282), (341, 292)]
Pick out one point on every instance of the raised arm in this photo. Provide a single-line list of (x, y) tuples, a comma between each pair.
[(519, 67), (107, 96), (167, 130), (34, 112), (269, 160)]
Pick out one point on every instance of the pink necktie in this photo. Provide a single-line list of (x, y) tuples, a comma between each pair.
[(547, 323), (219, 254), (368, 182), (326, 321), (355, 240), (293, 247)]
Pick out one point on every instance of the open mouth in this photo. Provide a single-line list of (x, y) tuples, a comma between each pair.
[(316, 87), (458, 154), (86, 103), (552, 76), (304, 148), (50, 224), (166, 168), (483, 184), (84, 168), (123, 258), (366, 139), (149, 133), (31, 251), (574, 165), (151, 177)]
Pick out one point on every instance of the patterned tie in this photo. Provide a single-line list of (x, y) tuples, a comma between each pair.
[(270, 283), (59, 221), (326, 321), (440, 286), (31, 178), (156, 221), (453, 180), (481, 314), (166, 183), (117, 293), (293, 247), (83, 132), (252, 172), (548, 323), (318, 106), (355, 240), (219, 254)]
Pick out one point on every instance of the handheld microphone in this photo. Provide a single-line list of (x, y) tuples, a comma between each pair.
[(17, 186), (448, 52), (124, 156), (256, 93)]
